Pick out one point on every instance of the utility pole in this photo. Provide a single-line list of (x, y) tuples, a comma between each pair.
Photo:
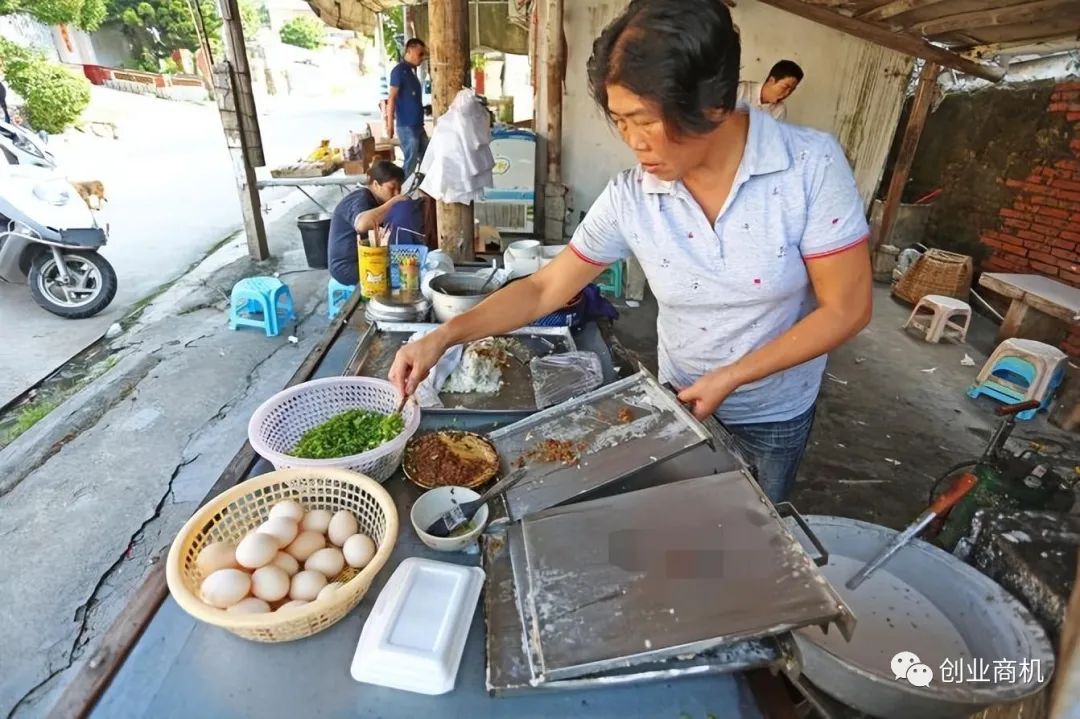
[(449, 44), (236, 105)]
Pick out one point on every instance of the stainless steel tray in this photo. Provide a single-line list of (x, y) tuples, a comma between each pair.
[(380, 342), (669, 571), (618, 430), (509, 670)]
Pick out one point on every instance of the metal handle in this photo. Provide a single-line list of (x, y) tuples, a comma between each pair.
[(503, 485), (787, 509), (1009, 409)]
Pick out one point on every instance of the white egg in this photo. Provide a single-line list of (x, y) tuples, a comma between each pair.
[(328, 561), (293, 604), (317, 520), (256, 550), (215, 556), (287, 510), (359, 550), (342, 526), (225, 587), (306, 544), (283, 530), (251, 605), (306, 585), (329, 589), (270, 583), (286, 561)]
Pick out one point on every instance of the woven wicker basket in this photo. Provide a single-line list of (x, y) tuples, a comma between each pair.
[(936, 272), (235, 512)]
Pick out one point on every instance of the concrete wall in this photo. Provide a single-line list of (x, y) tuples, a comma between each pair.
[(853, 89)]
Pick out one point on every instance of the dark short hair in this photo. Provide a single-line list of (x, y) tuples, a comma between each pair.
[(382, 171), (786, 68), (681, 54), (414, 42)]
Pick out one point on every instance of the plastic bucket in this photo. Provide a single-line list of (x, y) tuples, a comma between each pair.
[(315, 234)]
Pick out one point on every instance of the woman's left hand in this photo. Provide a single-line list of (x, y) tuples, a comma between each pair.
[(705, 395)]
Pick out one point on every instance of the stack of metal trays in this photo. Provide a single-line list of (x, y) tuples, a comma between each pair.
[(680, 579), (398, 306)]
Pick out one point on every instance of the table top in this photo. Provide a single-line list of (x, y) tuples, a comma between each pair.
[(182, 668), (1044, 293), (335, 178)]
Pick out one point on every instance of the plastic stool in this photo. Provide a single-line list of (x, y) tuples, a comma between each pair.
[(260, 295), (611, 279), (1020, 370), (337, 295), (939, 322)]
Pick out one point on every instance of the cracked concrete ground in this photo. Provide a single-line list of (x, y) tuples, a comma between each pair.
[(91, 496)]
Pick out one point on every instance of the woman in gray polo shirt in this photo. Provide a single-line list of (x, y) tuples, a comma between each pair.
[(751, 233)]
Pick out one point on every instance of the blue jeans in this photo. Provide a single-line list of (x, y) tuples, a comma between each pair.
[(414, 143), (775, 449)]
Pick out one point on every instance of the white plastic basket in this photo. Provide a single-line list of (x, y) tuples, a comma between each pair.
[(280, 421)]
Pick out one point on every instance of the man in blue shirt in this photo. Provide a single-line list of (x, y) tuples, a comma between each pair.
[(358, 213), (405, 106)]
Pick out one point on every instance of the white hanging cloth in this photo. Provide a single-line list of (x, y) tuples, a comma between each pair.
[(458, 163)]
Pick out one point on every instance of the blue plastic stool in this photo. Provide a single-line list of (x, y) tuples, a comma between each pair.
[(611, 279), (1008, 383), (261, 296), (337, 295)]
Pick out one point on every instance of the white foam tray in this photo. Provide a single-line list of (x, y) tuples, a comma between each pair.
[(415, 635)]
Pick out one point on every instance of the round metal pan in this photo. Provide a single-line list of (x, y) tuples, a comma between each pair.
[(465, 444), (923, 601)]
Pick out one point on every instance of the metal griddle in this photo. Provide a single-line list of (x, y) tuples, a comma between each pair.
[(664, 572), (621, 428), (377, 347)]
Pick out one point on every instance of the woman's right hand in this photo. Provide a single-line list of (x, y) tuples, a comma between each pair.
[(414, 360)]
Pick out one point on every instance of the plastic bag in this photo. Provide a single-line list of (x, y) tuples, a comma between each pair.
[(559, 377)]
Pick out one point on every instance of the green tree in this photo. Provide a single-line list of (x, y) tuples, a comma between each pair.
[(86, 14), (393, 22), (303, 31), (251, 18), (157, 27), (53, 96)]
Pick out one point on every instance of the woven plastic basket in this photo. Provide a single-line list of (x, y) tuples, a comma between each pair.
[(280, 421), (936, 272), (235, 512)]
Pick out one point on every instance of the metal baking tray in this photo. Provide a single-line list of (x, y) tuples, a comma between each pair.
[(508, 668), (669, 571), (380, 342), (619, 429)]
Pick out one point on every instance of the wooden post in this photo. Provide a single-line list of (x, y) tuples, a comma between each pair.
[(920, 110), (236, 104), (552, 55), (448, 23)]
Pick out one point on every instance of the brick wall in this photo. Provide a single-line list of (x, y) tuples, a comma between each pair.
[(1039, 231)]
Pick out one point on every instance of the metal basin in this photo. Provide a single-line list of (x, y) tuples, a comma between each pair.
[(927, 602), (458, 292)]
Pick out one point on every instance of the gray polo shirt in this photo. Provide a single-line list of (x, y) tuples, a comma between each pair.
[(729, 286)]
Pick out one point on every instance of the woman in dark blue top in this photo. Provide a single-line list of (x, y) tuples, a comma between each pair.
[(358, 213)]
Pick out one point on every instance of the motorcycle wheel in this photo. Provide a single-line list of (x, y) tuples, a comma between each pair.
[(92, 289)]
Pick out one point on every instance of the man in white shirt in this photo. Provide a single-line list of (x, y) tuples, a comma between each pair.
[(769, 96)]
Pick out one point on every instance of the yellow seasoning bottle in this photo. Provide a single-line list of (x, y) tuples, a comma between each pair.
[(374, 267), (409, 269)]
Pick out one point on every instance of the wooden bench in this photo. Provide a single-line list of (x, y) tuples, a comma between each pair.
[(1041, 308)]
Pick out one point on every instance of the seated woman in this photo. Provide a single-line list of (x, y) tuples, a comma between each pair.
[(358, 213)]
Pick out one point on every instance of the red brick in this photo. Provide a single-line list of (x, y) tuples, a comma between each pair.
[(1053, 172), (1075, 145), (1070, 165), (1067, 255), (1010, 182), (1058, 107), (1007, 212), (1035, 178), (1018, 224), (1033, 236), (1074, 217), (1044, 269), (1053, 212), (1066, 195), (1063, 244), (1043, 257), (1073, 278), (1010, 240), (1072, 116), (1043, 200), (1045, 229), (1067, 86), (1065, 184), (1069, 235)]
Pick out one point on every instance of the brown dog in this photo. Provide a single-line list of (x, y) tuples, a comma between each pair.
[(92, 189)]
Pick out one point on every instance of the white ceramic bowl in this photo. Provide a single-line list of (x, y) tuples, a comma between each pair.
[(433, 504)]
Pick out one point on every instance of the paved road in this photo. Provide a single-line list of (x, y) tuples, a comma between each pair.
[(171, 198)]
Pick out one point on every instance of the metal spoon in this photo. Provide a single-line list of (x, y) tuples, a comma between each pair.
[(494, 269)]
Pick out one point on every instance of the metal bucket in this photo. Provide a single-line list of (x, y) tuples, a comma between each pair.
[(923, 601), (457, 292)]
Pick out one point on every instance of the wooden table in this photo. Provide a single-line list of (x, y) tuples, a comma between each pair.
[(1041, 309)]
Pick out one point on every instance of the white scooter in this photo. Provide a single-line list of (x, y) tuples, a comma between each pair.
[(48, 235)]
